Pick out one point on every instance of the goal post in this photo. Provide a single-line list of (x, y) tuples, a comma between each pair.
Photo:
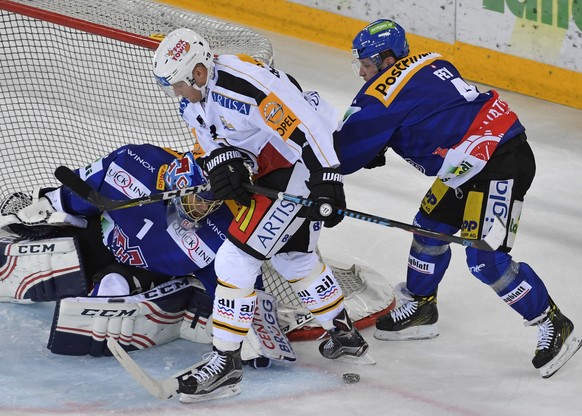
[(76, 83)]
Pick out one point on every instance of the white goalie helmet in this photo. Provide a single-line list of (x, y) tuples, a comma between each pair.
[(177, 55)]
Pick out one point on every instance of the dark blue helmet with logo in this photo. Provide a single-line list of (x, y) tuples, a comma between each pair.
[(380, 36)]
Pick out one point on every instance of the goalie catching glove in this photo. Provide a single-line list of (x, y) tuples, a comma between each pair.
[(327, 192), (227, 173), (36, 218)]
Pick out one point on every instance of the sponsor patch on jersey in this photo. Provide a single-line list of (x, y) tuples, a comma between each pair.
[(498, 203), (278, 116), (433, 196), (247, 58), (513, 223), (389, 84), (226, 124), (125, 182), (416, 166), (231, 103), (420, 266), (517, 294), (91, 169), (160, 183), (471, 226), (192, 245)]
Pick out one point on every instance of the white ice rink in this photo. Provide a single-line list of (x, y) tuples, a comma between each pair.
[(478, 366)]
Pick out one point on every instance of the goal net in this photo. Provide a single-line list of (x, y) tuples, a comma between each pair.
[(77, 84)]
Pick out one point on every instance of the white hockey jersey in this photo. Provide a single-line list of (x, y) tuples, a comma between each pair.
[(260, 111)]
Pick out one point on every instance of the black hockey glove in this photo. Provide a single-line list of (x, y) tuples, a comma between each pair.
[(227, 172), (327, 191)]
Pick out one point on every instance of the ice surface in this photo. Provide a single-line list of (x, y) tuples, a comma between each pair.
[(478, 366)]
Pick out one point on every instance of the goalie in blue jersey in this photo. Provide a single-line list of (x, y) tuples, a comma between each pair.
[(125, 273), (419, 106)]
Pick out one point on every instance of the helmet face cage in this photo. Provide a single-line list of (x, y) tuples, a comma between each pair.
[(195, 207), (183, 173), (380, 36), (177, 56)]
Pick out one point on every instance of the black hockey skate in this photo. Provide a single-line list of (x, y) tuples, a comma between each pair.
[(415, 319), (218, 377), (557, 342), (344, 339)]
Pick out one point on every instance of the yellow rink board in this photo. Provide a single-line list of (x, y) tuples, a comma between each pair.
[(475, 63)]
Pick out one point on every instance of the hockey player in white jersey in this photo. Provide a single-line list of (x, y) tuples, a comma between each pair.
[(252, 120)]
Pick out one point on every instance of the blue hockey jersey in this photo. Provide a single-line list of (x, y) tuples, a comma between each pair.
[(150, 235), (422, 108)]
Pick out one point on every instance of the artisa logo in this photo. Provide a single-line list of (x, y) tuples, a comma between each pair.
[(177, 52)]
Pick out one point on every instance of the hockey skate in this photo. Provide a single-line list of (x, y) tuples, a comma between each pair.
[(218, 377), (557, 342), (415, 318), (345, 342)]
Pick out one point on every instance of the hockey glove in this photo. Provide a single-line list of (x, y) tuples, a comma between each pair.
[(35, 218), (227, 173), (327, 192)]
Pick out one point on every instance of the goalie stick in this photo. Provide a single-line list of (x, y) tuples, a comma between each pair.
[(491, 242), (67, 177), (72, 181), (160, 388), (168, 387)]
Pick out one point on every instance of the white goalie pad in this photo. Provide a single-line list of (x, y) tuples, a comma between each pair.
[(82, 324), (265, 338), (39, 270), (367, 293)]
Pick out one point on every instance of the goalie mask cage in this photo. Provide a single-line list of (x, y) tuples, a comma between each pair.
[(76, 83)]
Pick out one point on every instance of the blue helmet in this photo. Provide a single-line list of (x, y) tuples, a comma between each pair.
[(380, 36), (182, 173)]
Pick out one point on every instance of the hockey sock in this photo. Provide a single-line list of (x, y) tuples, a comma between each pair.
[(321, 294), (232, 315)]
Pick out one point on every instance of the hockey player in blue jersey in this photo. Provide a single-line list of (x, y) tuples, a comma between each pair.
[(123, 253), (419, 106), (137, 262)]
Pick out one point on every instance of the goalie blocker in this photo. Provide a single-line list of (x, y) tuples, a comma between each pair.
[(40, 271)]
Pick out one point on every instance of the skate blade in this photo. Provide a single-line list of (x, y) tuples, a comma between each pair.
[(412, 333), (365, 359), (221, 393), (572, 344)]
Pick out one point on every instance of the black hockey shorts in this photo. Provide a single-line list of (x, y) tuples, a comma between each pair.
[(498, 190)]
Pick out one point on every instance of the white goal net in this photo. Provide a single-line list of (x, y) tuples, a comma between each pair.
[(76, 84)]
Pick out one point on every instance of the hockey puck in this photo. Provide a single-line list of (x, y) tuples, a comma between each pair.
[(351, 378)]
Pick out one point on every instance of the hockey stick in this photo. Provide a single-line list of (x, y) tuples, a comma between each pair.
[(491, 242), (160, 388), (68, 178)]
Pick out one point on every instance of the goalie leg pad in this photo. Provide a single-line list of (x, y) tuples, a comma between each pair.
[(266, 338), (41, 270), (82, 324)]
